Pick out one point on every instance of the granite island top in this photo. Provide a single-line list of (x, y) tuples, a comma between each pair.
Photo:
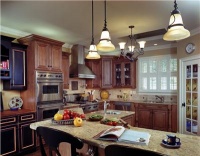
[(189, 144)]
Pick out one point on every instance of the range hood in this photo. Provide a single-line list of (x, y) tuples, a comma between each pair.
[(78, 69)]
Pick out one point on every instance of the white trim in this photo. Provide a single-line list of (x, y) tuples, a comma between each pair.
[(15, 32)]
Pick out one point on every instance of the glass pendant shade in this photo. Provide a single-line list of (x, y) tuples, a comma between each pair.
[(176, 30), (142, 44), (131, 48), (122, 45), (93, 54), (105, 44)]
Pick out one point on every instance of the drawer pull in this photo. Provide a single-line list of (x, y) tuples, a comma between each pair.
[(27, 117)]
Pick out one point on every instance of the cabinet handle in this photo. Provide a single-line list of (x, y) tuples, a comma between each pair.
[(183, 104)]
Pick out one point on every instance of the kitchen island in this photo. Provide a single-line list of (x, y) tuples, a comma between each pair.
[(189, 143)]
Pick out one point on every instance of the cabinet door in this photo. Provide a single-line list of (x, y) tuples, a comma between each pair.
[(9, 140), (55, 59), (117, 75), (95, 66), (42, 56), (107, 72), (6, 57), (145, 118), (65, 70), (160, 120), (129, 120), (27, 137)]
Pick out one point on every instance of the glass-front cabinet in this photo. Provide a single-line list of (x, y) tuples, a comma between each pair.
[(124, 75), (192, 103)]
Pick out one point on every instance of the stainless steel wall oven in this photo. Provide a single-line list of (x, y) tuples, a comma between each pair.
[(49, 93)]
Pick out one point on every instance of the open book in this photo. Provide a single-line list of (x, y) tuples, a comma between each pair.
[(119, 133)]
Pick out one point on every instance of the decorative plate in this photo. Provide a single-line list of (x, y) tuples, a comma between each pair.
[(104, 94), (15, 102), (164, 143)]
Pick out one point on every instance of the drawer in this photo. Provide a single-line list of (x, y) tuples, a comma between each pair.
[(8, 120), (153, 106), (27, 117)]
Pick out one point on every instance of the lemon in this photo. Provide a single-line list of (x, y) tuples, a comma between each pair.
[(78, 122), (58, 116)]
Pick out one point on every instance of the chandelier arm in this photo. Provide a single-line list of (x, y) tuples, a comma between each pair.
[(92, 42)]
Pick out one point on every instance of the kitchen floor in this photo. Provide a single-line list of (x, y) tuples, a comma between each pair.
[(38, 153)]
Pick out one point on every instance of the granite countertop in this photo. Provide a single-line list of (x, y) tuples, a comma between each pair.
[(189, 143), (140, 101)]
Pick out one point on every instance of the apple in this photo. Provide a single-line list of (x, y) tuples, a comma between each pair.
[(66, 117)]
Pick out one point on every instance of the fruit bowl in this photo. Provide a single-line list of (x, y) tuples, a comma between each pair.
[(64, 122)]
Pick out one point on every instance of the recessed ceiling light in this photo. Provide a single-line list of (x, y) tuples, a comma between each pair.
[(155, 44)]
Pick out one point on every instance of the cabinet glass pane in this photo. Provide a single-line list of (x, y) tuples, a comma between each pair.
[(194, 85), (194, 127), (188, 71), (195, 70), (194, 99), (118, 74)]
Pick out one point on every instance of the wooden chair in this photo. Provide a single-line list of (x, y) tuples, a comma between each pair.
[(119, 150), (54, 137)]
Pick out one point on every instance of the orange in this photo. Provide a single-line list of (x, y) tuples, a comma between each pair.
[(78, 122), (58, 116)]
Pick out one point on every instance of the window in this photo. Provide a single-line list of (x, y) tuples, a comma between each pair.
[(157, 74)]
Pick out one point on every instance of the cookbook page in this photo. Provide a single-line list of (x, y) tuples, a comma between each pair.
[(117, 131)]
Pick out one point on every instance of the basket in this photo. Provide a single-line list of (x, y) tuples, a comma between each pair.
[(64, 122)]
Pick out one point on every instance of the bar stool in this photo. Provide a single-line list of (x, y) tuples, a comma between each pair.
[(119, 150), (54, 137)]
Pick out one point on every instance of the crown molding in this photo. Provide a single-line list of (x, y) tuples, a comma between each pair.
[(15, 32)]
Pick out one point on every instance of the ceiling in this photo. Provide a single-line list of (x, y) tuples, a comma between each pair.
[(70, 21)]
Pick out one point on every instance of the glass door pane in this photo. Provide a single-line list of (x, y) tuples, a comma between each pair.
[(191, 93)]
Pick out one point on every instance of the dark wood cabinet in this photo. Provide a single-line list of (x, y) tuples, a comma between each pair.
[(65, 69), (106, 72), (16, 135), (153, 116), (9, 136), (124, 73), (18, 68), (95, 66), (6, 57)]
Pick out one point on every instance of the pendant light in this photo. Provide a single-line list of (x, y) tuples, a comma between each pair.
[(176, 30), (105, 44), (93, 53)]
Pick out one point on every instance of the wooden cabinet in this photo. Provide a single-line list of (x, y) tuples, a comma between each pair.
[(9, 135), (48, 56), (18, 68), (16, 135), (124, 73), (44, 54), (106, 72), (129, 119), (6, 57), (65, 69), (95, 66), (153, 116), (121, 105)]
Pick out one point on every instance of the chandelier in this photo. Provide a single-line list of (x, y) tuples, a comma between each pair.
[(132, 53), (176, 30)]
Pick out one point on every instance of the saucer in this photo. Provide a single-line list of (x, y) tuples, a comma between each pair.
[(164, 143)]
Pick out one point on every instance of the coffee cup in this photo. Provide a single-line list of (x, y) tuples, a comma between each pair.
[(172, 139)]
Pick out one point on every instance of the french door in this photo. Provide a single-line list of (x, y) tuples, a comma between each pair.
[(189, 99)]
